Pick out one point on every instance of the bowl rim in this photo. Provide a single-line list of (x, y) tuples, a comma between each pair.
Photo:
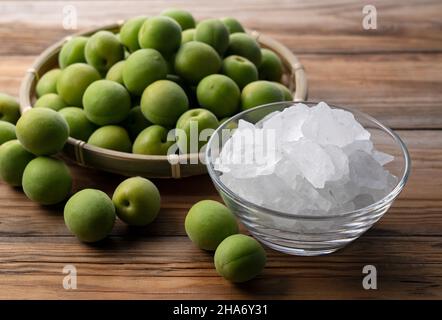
[(378, 204)]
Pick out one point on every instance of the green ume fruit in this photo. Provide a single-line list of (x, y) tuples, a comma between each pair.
[(142, 68), (260, 92), (79, 125), (232, 25), (106, 102), (129, 32), (111, 137), (196, 60), (183, 17), (7, 132), (219, 94), (13, 161), (208, 223), (90, 215), (47, 180), (161, 33), (72, 52), (239, 258), (137, 201), (135, 122), (115, 73), (270, 67), (42, 131), (48, 83), (240, 70), (9, 108), (73, 82), (153, 141), (103, 50), (243, 45), (285, 91), (187, 36), (50, 100), (163, 102), (189, 127), (214, 33)]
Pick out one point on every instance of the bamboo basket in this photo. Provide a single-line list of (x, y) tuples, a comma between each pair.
[(150, 166)]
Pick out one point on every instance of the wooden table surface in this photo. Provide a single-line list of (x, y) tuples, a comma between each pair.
[(393, 73)]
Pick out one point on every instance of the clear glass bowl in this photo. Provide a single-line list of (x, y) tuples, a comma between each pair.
[(302, 234)]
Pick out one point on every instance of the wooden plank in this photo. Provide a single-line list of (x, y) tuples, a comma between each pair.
[(102, 287), (402, 91), (174, 268), (27, 27)]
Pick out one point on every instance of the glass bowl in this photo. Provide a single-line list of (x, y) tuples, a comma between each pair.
[(304, 234)]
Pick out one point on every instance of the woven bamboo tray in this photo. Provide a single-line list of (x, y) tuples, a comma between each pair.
[(149, 166)]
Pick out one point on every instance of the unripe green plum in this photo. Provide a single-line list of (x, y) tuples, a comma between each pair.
[(232, 25), (103, 50), (271, 66), (115, 73), (48, 82), (72, 52), (214, 33), (90, 215), (50, 100), (194, 120), (260, 92), (163, 102), (240, 70), (137, 201), (106, 102), (196, 60), (183, 17), (160, 33), (79, 125), (47, 180), (142, 68), (129, 32), (244, 45), (152, 141), (219, 94), (239, 258), (187, 36), (288, 96), (73, 82), (208, 223), (7, 132), (111, 137), (9, 108), (13, 161), (42, 131)]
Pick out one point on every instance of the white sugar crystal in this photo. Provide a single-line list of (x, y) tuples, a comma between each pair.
[(310, 160), (317, 172), (332, 126), (382, 158)]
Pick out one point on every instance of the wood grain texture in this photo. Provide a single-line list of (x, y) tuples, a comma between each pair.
[(314, 26), (393, 73)]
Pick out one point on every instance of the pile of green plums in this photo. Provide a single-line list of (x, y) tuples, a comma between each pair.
[(212, 226), (125, 91), (27, 152)]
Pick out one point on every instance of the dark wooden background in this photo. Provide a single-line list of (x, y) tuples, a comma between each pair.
[(393, 73)]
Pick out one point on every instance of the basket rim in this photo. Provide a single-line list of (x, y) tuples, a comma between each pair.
[(32, 75)]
